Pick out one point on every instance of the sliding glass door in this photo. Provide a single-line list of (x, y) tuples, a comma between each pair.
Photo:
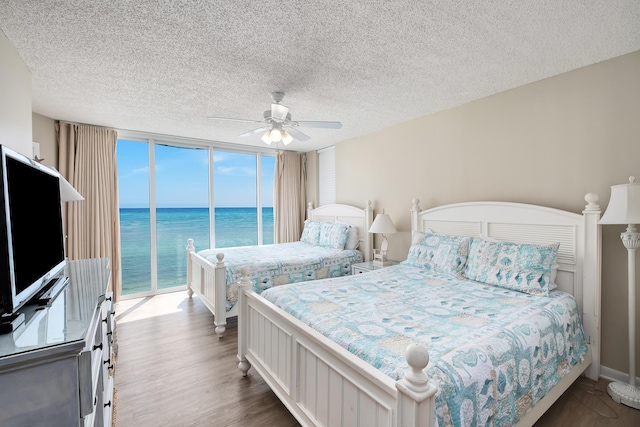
[(182, 211), (135, 216), (171, 193)]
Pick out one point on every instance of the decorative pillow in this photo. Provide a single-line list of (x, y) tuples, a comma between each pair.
[(552, 278), (352, 239), (311, 232), (333, 235), (554, 268), (520, 267), (418, 237), (438, 252)]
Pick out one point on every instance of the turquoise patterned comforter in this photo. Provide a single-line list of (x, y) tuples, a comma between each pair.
[(493, 352), (282, 263)]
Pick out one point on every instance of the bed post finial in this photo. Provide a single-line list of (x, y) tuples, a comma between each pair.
[(309, 210), (592, 202), (415, 210), (416, 394)]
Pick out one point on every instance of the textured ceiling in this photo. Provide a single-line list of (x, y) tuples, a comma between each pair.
[(164, 66)]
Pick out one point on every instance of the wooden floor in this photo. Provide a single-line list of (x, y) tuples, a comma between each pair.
[(172, 370)]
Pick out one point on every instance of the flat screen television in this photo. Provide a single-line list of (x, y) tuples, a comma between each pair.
[(32, 250)]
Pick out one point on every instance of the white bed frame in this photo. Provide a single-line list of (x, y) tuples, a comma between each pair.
[(321, 383), (208, 280)]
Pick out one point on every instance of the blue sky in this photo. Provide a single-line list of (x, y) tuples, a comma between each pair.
[(182, 177)]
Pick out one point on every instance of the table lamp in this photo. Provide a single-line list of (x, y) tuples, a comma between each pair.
[(382, 225), (624, 208)]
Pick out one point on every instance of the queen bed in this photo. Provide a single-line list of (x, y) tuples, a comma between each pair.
[(213, 274), (474, 303)]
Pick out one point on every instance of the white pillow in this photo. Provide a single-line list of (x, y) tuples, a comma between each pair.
[(352, 239)]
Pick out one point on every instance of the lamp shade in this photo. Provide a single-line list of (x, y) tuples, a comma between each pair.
[(624, 205), (67, 192), (382, 224)]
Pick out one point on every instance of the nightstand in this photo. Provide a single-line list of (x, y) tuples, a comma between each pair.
[(363, 267)]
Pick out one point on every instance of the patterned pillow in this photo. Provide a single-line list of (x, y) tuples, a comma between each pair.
[(438, 252), (311, 232), (333, 235), (520, 267)]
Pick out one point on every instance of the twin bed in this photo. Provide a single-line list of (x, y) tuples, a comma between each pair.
[(471, 329), (213, 274)]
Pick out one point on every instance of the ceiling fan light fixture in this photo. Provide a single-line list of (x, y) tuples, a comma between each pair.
[(276, 134), (286, 138), (266, 137), (279, 112)]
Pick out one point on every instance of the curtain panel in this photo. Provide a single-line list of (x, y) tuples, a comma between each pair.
[(289, 203), (87, 159)]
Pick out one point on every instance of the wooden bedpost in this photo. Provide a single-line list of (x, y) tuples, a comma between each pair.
[(309, 209), (416, 395), (415, 210), (190, 249), (243, 321), (220, 300), (591, 280), (368, 238)]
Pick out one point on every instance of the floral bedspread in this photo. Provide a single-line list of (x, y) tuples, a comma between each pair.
[(494, 352), (282, 263)]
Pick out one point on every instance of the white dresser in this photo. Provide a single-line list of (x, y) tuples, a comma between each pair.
[(56, 368)]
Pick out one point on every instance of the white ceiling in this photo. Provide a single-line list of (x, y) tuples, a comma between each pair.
[(164, 66)]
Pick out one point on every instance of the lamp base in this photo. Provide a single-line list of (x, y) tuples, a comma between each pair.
[(624, 393)]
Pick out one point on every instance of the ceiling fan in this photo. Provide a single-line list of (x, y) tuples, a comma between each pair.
[(278, 126)]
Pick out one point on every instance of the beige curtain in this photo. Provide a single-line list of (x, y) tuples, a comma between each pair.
[(289, 203), (87, 159)]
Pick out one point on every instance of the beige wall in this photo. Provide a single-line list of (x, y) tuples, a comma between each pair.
[(15, 100), (44, 133), (546, 143)]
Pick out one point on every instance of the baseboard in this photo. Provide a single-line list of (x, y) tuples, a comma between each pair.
[(613, 375)]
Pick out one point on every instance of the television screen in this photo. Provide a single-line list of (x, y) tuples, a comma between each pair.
[(32, 246)]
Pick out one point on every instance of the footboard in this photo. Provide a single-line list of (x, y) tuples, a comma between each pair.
[(320, 382), (208, 282)]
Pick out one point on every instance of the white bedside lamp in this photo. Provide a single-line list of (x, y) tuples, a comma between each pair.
[(383, 225), (624, 208)]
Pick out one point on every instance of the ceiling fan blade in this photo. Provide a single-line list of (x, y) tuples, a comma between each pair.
[(279, 112), (234, 120), (319, 125), (298, 135), (253, 132)]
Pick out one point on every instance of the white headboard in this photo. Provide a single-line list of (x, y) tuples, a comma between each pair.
[(357, 217), (579, 253)]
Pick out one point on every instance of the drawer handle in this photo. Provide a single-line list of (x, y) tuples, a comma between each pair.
[(109, 333), (99, 346), (108, 299), (107, 361), (107, 404)]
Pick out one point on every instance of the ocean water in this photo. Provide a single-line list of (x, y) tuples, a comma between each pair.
[(233, 227)]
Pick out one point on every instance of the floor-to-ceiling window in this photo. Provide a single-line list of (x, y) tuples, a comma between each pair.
[(171, 193), (135, 216)]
